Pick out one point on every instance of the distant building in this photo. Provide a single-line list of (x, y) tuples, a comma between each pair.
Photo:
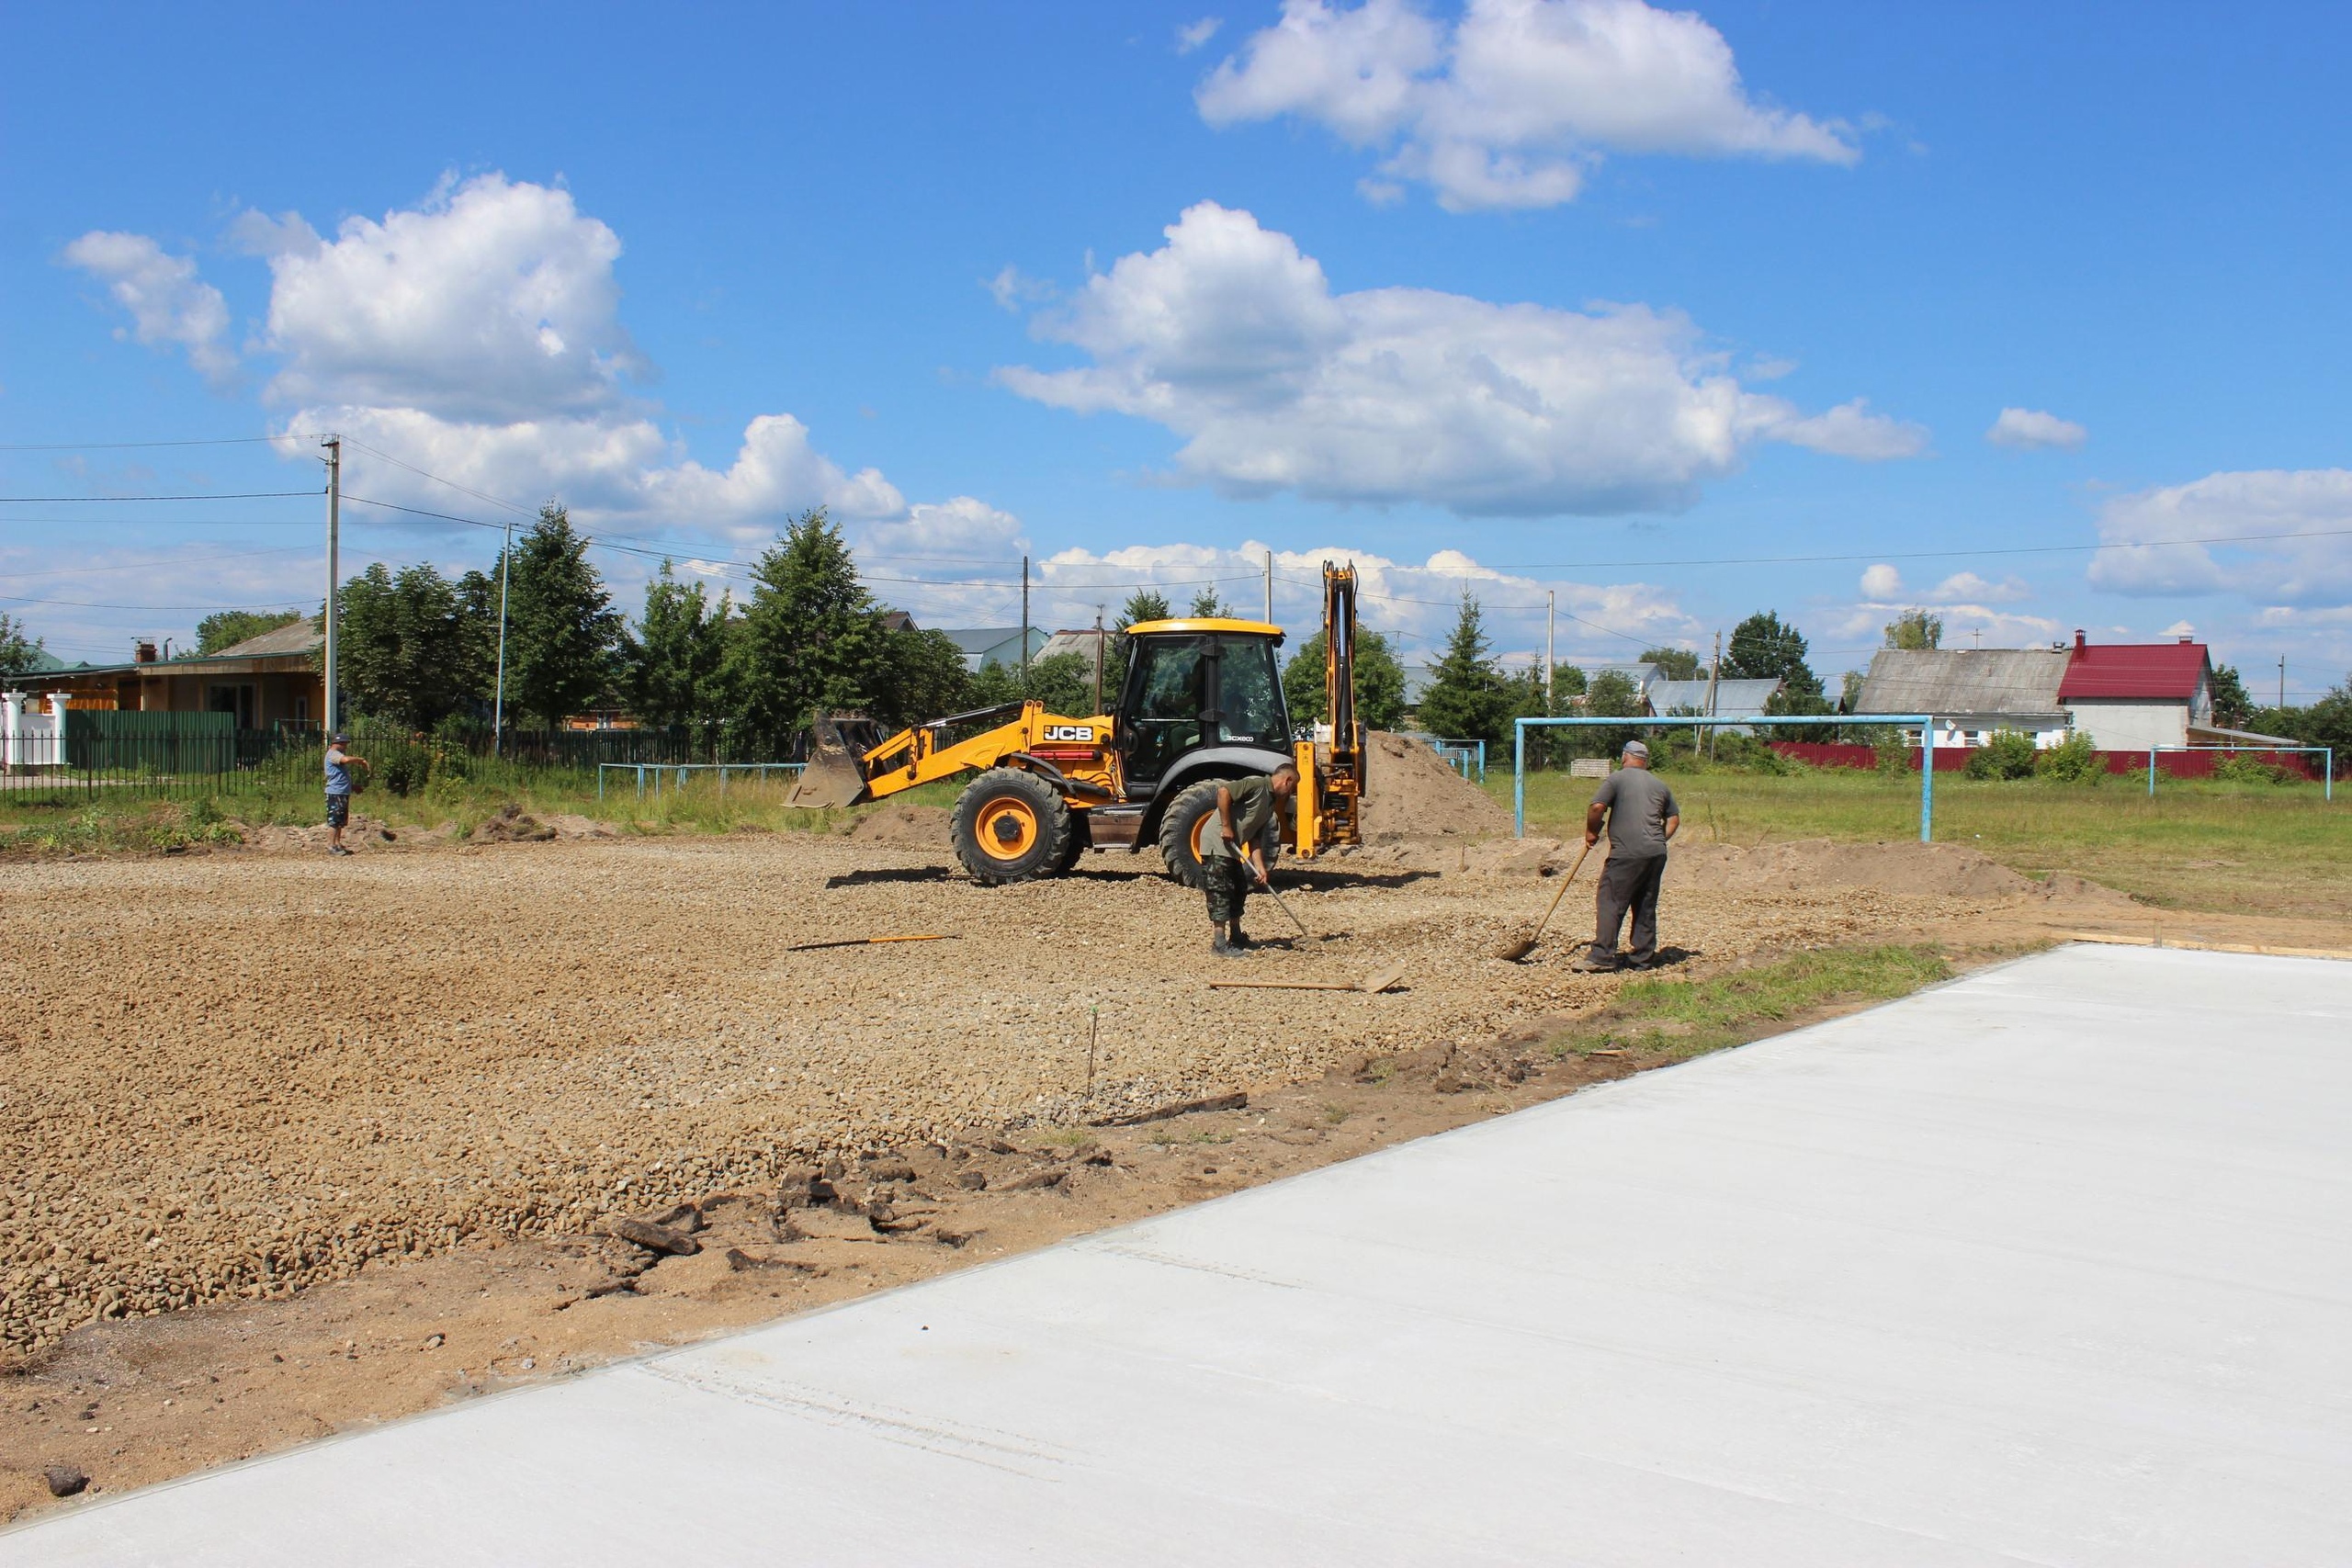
[(1732, 698), (1972, 692), (2125, 696), (265, 682), (984, 645), (1082, 642)]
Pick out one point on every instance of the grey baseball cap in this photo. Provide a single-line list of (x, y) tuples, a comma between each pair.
[(1635, 748)]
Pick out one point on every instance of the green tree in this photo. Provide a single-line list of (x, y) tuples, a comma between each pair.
[(16, 648), (812, 641), (562, 633), (226, 628), (404, 648), (1064, 683), (677, 659), (1915, 630), (1763, 648), (1674, 663), (1207, 606), (927, 678), (2232, 706), (1380, 683), (1468, 698), (1143, 604)]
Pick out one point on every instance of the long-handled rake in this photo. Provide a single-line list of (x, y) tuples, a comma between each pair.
[(1513, 951)]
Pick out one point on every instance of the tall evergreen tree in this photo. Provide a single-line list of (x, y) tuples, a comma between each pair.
[(811, 639), (1207, 606), (676, 659), (562, 633), (1468, 699)]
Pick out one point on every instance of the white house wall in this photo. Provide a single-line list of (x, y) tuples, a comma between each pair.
[(2132, 726)]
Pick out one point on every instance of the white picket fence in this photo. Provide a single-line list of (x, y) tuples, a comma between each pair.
[(30, 737)]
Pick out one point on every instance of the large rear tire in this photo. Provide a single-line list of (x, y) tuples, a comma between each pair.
[(1011, 825), (1190, 816)]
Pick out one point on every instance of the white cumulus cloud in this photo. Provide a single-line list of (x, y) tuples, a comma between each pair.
[(2030, 430), (2220, 534), (1192, 35), (1510, 106), (169, 305), (1232, 338)]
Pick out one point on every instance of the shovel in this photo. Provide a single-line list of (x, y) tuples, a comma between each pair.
[(1515, 951)]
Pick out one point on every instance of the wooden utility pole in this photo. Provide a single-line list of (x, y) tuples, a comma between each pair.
[(1714, 680), (1098, 659), (2283, 680), (1024, 625), (330, 710), (1270, 586)]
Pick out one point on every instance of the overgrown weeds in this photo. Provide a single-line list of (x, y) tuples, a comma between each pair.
[(1680, 1019)]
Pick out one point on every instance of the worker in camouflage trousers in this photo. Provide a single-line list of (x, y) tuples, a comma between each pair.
[(1233, 858)]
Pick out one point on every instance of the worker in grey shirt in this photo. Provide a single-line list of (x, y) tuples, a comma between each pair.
[(1642, 816)]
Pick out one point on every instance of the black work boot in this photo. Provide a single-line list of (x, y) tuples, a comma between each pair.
[(1238, 939)]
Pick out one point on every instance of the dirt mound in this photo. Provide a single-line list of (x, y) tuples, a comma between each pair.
[(1946, 870), (513, 825), (1412, 794), (908, 827), (280, 838), (572, 825)]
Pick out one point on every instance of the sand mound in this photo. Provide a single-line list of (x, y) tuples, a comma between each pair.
[(282, 839), (513, 825), (1411, 794), (1946, 870), (907, 827), (572, 825)]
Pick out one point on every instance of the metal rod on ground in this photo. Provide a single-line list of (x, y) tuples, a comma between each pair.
[(866, 941), (1094, 1027)]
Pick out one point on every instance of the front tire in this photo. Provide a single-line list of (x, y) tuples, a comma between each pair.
[(1011, 825)]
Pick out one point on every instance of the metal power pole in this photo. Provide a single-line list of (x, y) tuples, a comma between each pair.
[(2283, 680), (330, 710), (497, 702), (1024, 625), (1098, 659), (1270, 586)]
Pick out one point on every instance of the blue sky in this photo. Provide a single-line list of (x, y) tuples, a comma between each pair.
[(1538, 295)]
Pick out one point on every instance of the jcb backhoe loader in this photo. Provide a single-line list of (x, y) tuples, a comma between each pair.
[(1202, 701)]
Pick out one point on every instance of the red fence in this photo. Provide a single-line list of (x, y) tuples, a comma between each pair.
[(1952, 759)]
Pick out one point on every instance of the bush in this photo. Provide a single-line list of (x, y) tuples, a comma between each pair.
[(2006, 754), (2236, 767), (1894, 756), (2073, 761), (1750, 753), (402, 766)]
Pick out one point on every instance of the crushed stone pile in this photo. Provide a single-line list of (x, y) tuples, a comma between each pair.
[(1904, 867), (913, 827), (513, 825)]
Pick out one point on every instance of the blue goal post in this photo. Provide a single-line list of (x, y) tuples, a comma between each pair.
[(1926, 723)]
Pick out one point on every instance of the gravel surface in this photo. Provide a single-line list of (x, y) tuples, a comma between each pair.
[(237, 1074)]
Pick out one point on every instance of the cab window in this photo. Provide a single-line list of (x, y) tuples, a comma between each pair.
[(1249, 694), (1165, 683)]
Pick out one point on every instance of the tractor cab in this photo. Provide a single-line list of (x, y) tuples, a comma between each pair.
[(1194, 686)]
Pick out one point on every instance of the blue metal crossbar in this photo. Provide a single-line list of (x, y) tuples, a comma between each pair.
[(2327, 770), (682, 770), (1927, 750), (1460, 753)]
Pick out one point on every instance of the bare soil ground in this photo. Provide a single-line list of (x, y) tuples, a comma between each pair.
[(301, 1144)]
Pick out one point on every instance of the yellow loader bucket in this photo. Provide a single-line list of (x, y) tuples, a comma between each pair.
[(831, 777)]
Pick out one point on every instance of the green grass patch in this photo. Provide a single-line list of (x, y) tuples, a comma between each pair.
[(1680, 1019), (2241, 847)]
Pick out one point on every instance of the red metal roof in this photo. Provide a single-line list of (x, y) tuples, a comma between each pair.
[(2156, 671)]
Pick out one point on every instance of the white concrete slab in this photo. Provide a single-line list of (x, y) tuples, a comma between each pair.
[(2049, 1266)]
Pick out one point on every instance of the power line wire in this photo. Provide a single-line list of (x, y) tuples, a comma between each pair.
[(114, 500), (125, 446)]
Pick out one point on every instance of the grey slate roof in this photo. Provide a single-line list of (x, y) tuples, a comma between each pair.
[(1965, 681), (295, 636)]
